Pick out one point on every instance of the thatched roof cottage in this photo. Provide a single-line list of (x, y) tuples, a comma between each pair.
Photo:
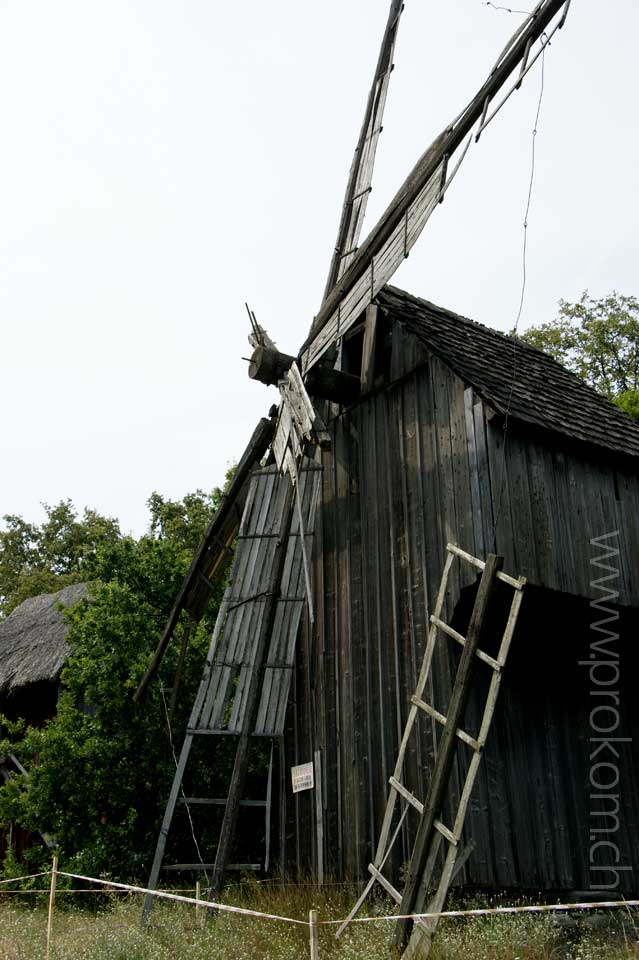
[(33, 650)]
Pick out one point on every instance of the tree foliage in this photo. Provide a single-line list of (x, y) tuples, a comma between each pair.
[(599, 341), (101, 769), (40, 559)]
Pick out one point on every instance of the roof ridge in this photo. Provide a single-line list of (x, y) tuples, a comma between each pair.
[(513, 339), (544, 391)]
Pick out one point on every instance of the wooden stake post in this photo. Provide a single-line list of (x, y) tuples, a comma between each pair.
[(54, 876), (312, 920)]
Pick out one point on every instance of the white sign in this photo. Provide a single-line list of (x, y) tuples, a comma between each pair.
[(302, 777)]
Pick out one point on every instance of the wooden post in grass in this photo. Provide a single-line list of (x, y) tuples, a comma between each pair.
[(54, 873), (312, 922), (198, 909)]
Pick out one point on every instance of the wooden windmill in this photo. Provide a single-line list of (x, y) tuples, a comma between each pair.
[(266, 519)]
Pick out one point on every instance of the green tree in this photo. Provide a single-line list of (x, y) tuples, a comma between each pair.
[(41, 559), (101, 769), (599, 341)]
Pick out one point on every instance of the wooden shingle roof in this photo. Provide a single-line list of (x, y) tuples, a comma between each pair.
[(542, 392)]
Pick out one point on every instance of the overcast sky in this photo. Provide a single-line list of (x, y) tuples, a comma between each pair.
[(162, 162)]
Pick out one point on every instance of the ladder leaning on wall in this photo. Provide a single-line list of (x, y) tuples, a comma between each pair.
[(431, 831)]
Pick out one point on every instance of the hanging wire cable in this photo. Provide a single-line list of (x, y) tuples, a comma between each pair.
[(184, 801), (495, 6), (524, 281)]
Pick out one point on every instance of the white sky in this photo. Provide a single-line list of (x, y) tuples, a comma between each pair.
[(163, 162)]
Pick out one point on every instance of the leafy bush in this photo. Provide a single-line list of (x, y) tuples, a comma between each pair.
[(101, 769)]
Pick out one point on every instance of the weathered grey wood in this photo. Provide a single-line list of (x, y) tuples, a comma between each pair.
[(313, 937), (523, 783), (267, 815), (282, 805), (324, 381), (445, 756), (386, 841), (252, 703), (480, 546), (227, 513), (319, 814), (368, 348), (361, 172), (443, 147), (436, 905)]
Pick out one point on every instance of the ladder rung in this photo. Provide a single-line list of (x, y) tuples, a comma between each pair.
[(205, 801), (441, 625), (386, 884), (445, 832), (216, 732), (480, 564), (444, 627), (406, 794), (186, 867), (426, 707), (204, 580)]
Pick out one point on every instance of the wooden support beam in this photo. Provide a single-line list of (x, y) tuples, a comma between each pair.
[(368, 348), (270, 366), (446, 753)]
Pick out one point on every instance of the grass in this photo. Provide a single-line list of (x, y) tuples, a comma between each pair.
[(113, 932)]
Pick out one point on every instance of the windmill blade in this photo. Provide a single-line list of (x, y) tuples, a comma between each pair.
[(298, 424), (361, 173), (397, 231), (209, 562)]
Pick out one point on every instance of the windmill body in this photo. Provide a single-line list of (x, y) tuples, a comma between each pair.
[(387, 445)]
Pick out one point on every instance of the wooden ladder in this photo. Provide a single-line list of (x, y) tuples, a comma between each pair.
[(252, 693), (431, 830)]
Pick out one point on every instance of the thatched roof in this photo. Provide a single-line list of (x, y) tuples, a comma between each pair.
[(32, 639)]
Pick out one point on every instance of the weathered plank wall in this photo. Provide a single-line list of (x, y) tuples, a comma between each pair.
[(411, 467)]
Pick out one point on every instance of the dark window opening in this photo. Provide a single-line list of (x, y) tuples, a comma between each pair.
[(353, 348)]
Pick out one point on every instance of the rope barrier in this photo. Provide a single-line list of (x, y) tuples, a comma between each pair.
[(244, 911), (494, 911), (163, 895), (33, 876)]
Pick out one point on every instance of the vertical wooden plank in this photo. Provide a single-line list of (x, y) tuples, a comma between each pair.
[(497, 444), (460, 472), (319, 815), (525, 562), (476, 502), (282, 805), (377, 604), (369, 347), (427, 546), (367, 513), (483, 472), (539, 502), (342, 646), (393, 500)]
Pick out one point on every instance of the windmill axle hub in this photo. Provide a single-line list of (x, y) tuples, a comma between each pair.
[(269, 366)]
